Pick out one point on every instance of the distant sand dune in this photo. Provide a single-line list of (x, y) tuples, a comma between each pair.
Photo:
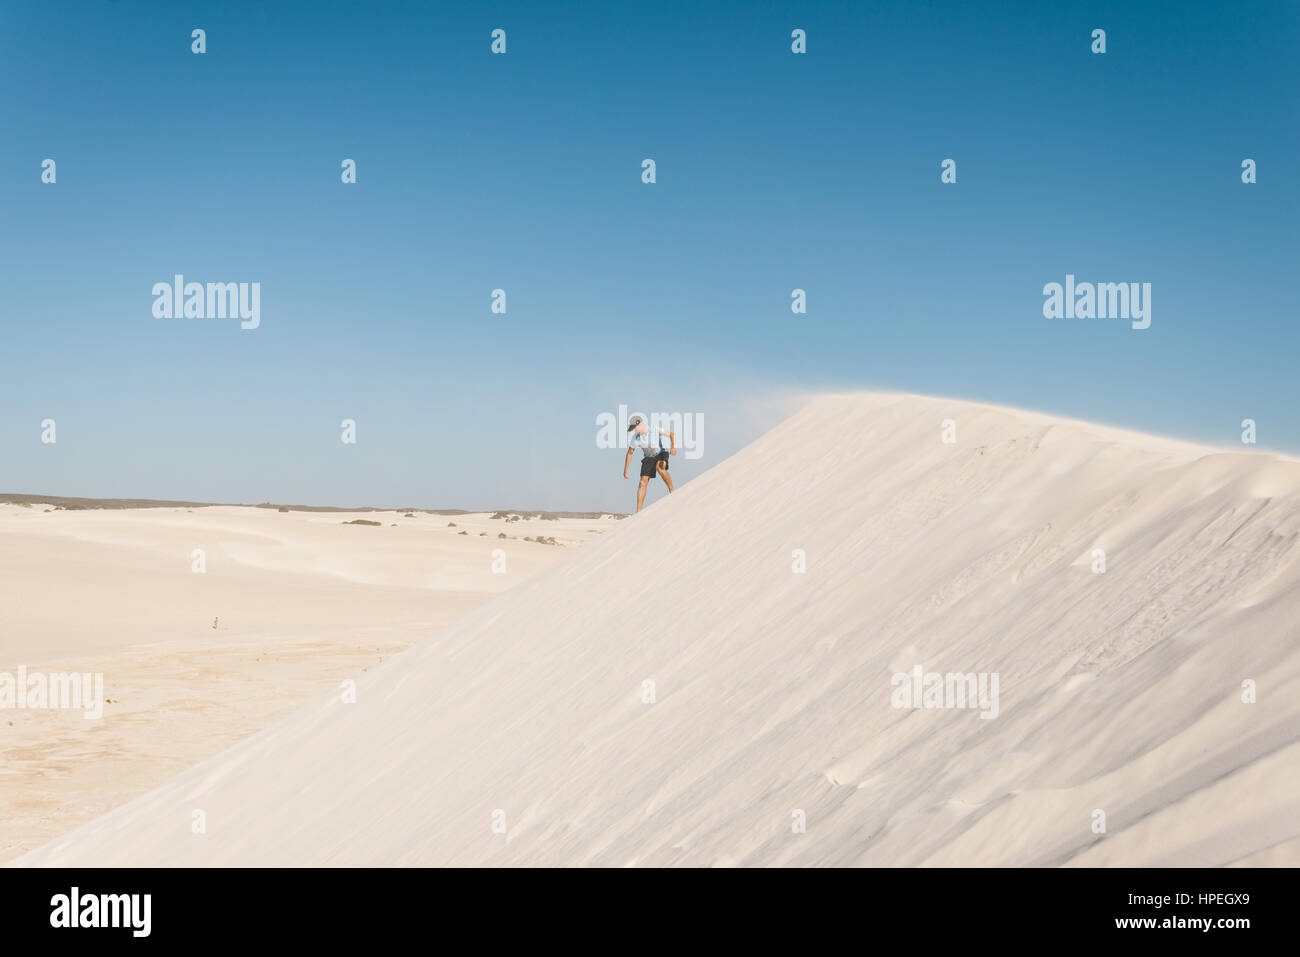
[(1120, 693)]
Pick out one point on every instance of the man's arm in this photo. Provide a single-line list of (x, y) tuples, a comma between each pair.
[(627, 461), (673, 439)]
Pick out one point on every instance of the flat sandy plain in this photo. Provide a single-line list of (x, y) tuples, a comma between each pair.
[(289, 605)]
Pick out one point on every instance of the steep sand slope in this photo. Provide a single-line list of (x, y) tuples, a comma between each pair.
[(1119, 692)]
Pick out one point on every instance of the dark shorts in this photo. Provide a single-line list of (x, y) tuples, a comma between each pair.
[(648, 465)]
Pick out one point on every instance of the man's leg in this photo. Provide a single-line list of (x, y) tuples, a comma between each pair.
[(640, 491), (663, 474)]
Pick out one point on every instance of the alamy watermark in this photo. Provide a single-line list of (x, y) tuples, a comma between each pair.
[(77, 909), (611, 429), (179, 299), (1103, 300), (61, 690), (953, 690)]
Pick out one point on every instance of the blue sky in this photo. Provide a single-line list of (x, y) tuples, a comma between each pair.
[(775, 171)]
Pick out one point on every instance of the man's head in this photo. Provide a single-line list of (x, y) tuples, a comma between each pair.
[(637, 424)]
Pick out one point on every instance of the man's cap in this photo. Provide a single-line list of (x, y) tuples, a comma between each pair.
[(633, 422)]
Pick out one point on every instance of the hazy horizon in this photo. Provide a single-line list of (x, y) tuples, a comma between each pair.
[(1222, 447)]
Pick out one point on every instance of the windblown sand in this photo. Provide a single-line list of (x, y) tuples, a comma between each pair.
[(678, 693), (300, 601)]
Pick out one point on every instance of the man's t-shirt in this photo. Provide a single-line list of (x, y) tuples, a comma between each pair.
[(650, 444)]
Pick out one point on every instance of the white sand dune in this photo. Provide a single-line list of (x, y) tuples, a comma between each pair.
[(1120, 692)]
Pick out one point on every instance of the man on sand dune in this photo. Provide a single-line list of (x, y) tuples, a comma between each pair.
[(654, 457)]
